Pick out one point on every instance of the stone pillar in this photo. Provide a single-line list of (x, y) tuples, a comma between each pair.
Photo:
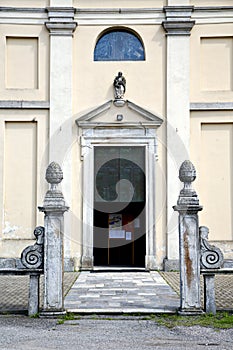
[(34, 294), (178, 25), (189, 244), (53, 208), (61, 26), (209, 294)]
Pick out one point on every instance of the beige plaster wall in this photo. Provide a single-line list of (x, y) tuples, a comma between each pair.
[(212, 63), (212, 154), (212, 132), (23, 158), (25, 49), (146, 3), (211, 2), (24, 73), (25, 3), (24, 62), (118, 3), (115, 3), (20, 191), (145, 86), (95, 88)]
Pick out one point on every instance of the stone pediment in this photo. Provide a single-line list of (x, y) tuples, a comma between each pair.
[(127, 114)]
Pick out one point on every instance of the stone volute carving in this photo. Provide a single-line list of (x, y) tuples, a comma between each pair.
[(211, 256), (119, 89), (32, 257)]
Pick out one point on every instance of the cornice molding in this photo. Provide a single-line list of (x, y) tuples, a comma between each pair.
[(178, 20), (14, 104), (213, 8), (211, 106), (116, 16), (61, 21), (149, 120), (177, 27), (113, 16)]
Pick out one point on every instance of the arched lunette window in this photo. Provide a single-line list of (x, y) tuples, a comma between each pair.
[(119, 45)]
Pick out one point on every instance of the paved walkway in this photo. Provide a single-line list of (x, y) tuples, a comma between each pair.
[(14, 291), (121, 292)]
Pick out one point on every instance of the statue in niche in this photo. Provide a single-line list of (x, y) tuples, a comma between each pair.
[(119, 86)]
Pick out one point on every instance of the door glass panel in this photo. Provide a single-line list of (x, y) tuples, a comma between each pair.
[(119, 206), (119, 174)]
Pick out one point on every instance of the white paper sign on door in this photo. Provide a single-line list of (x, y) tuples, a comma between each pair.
[(116, 234), (128, 236)]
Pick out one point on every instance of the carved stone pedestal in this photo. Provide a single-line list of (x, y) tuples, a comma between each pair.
[(53, 208), (189, 246)]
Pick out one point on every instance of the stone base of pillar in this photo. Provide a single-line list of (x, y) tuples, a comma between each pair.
[(209, 294), (87, 263), (34, 294), (150, 263), (52, 314), (190, 312), (171, 265)]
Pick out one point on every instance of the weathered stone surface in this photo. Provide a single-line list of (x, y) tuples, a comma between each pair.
[(119, 86), (7, 263), (178, 20), (34, 294), (53, 208), (188, 207), (33, 256), (209, 294), (54, 198), (211, 256), (188, 196)]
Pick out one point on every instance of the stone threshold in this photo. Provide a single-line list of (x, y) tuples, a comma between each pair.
[(119, 311), (118, 269)]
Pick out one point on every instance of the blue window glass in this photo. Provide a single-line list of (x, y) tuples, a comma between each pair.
[(119, 45)]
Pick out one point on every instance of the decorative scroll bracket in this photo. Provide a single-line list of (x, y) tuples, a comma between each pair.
[(211, 256), (32, 257)]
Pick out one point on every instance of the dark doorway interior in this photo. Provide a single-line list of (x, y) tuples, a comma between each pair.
[(120, 251), (119, 212)]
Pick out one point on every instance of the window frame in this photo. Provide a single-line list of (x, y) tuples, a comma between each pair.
[(134, 35)]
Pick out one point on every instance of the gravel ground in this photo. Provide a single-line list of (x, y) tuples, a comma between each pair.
[(20, 332)]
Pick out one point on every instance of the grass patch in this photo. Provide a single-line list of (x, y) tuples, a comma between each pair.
[(222, 320), (67, 317)]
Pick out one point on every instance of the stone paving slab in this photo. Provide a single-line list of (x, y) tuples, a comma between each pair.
[(14, 291), (121, 292), (223, 288)]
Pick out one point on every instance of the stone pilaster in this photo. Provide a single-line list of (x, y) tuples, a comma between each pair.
[(177, 26), (61, 26), (61, 21), (189, 245), (178, 20), (53, 208)]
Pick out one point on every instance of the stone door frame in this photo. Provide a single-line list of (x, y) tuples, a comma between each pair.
[(118, 137)]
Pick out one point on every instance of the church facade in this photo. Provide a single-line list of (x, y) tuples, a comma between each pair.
[(119, 93)]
